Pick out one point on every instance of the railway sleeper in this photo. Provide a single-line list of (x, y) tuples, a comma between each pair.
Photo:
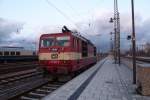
[(28, 98), (51, 88), (17, 78), (43, 90), (54, 85), (37, 94), (46, 89)]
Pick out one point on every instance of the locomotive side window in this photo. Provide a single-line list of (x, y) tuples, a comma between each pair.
[(73, 42), (94, 51), (6, 53), (78, 45), (84, 49), (63, 41), (47, 42)]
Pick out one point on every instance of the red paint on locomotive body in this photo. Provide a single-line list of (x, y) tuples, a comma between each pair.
[(65, 53)]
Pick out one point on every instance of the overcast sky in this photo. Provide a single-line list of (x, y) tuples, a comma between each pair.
[(25, 20)]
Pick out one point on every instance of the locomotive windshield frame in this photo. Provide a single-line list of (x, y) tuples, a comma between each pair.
[(62, 41), (47, 42)]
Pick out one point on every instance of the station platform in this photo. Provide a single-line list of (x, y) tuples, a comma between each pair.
[(103, 81)]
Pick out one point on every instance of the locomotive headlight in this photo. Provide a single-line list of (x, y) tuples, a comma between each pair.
[(54, 56)]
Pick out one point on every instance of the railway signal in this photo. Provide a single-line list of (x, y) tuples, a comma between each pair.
[(129, 37)]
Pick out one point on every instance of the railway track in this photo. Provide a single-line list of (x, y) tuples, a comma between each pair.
[(140, 59), (12, 83), (16, 67), (144, 60), (13, 77), (21, 87), (26, 84), (39, 92)]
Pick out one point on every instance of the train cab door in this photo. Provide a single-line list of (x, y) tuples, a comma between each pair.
[(76, 54)]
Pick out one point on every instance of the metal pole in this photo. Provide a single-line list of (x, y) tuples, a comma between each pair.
[(115, 33), (118, 30), (133, 44), (118, 26)]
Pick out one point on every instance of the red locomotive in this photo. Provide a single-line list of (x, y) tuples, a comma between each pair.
[(66, 52)]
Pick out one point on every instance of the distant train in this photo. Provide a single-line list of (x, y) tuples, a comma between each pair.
[(66, 52), (14, 54), (15, 51)]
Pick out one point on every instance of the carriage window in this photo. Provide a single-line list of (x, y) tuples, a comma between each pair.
[(1, 53), (12, 53), (63, 41), (47, 42), (6, 53), (17, 53)]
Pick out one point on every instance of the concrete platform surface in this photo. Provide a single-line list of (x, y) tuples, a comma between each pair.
[(104, 81)]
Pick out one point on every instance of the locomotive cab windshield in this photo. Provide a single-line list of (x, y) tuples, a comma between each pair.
[(55, 41), (47, 42), (63, 41)]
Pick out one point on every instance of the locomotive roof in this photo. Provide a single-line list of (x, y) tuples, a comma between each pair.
[(82, 38)]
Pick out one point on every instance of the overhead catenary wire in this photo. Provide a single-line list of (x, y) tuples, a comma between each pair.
[(90, 24), (71, 7), (61, 12)]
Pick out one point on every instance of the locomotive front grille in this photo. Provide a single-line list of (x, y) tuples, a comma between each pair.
[(54, 56), (60, 56)]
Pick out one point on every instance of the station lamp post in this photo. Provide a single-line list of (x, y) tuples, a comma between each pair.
[(114, 46), (133, 44), (116, 21)]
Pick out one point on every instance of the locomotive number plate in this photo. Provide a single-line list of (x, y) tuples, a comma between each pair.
[(54, 56)]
